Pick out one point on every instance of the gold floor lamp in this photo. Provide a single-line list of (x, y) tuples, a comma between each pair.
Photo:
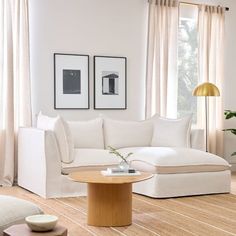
[(206, 90)]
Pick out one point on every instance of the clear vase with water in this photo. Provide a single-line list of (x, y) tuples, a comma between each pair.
[(124, 165)]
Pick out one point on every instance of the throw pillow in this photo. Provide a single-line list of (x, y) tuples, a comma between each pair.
[(172, 132)]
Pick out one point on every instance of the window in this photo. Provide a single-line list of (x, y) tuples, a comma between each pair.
[(187, 60)]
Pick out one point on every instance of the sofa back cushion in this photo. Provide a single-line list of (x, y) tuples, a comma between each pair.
[(120, 134), (87, 134), (57, 125), (172, 132)]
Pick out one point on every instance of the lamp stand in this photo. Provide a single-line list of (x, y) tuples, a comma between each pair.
[(206, 111), (206, 90)]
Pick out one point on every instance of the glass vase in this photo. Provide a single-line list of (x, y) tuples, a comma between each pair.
[(124, 165)]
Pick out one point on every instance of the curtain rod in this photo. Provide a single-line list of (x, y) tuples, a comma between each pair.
[(196, 4)]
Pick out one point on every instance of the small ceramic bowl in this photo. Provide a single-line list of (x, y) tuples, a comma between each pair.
[(41, 223)]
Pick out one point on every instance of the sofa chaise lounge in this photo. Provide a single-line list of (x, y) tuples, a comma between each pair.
[(181, 169)]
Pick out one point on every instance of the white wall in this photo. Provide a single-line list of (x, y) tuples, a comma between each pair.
[(94, 27)]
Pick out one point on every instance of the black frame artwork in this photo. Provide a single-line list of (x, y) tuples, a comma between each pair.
[(110, 83), (71, 81)]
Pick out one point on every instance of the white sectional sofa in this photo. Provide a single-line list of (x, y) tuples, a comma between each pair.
[(167, 148)]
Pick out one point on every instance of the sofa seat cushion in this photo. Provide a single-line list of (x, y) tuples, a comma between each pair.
[(14, 210), (90, 159), (164, 160)]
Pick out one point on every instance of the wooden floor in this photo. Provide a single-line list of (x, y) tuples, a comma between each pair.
[(210, 215)]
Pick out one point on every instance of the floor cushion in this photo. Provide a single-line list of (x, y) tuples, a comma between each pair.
[(165, 160), (14, 210)]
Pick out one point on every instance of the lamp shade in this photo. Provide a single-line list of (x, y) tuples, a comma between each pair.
[(206, 89)]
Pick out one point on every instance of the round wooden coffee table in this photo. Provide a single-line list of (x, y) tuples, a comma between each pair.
[(109, 198)]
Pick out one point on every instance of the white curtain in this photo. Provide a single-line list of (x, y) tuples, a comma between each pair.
[(211, 68), (15, 102), (161, 78)]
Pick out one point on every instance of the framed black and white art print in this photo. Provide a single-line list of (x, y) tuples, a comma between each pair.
[(71, 81), (110, 82)]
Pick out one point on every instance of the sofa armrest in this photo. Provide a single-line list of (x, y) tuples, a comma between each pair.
[(197, 138), (39, 164)]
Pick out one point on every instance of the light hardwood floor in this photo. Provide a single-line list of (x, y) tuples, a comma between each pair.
[(211, 215)]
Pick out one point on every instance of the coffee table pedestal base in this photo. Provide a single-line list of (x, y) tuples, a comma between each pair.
[(109, 204)]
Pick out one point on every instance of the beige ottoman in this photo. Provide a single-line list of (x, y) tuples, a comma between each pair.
[(14, 210)]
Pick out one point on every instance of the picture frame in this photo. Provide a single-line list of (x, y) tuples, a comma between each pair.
[(110, 83), (71, 81)]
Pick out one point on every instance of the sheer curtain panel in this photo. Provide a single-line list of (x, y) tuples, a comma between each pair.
[(211, 68), (15, 102), (161, 77)]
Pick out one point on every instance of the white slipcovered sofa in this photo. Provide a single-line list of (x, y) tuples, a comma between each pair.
[(167, 148)]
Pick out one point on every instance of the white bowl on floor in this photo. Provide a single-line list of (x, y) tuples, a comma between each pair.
[(41, 223)]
